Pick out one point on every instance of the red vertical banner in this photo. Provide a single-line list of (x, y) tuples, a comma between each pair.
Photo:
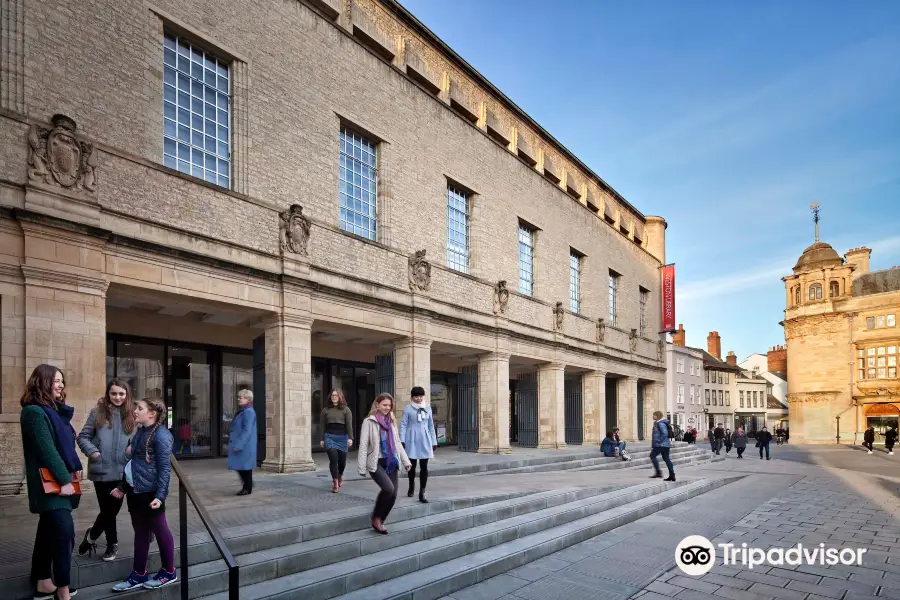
[(668, 298)]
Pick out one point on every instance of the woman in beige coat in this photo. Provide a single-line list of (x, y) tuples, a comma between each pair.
[(381, 455)]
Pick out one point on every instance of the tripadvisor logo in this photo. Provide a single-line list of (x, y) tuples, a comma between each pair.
[(695, 555)]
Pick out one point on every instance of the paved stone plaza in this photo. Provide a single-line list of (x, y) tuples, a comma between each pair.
[(836, 495)]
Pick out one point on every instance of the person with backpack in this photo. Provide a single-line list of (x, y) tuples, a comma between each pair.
[(662, 443)]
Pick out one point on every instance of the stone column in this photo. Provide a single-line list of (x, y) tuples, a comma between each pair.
[(594, 400), (627, 408), (493, 403), (551, 406), (289, 395), (651, 405), (412, 367)]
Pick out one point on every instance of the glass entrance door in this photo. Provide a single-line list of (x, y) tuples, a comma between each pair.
[(237, 375), (881, 425), (189, 398)]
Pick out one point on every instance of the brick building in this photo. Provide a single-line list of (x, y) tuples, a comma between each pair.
[(843, 344), (323, 197)]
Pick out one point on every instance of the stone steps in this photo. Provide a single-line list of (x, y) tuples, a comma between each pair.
[(597, 461), (434, 568), (90, 572), (328, 541)]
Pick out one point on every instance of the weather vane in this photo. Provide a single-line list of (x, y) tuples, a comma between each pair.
[(815, 208)]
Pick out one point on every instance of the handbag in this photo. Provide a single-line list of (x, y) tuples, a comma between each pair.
[(51, 486)]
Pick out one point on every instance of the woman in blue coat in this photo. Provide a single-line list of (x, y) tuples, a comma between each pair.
[(418, 438), (242, 441)]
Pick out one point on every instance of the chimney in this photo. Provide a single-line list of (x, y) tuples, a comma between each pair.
[(859, 258), (731, 359), (678, 336), (777, 359), (714, 344)]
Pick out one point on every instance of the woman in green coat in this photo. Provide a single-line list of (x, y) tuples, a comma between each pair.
[(48, 442)]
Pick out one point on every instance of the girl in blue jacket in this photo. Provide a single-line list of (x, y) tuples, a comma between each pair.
[(419, 439), (147, 485)]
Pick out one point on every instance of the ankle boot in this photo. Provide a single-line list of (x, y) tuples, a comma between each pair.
[(671, 477), (422, 497), (412, 488)]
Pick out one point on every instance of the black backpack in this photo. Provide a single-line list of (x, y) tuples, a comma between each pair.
[(669, 430)]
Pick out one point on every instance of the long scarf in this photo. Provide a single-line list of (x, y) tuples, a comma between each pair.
[(390, 458), (63, 434)]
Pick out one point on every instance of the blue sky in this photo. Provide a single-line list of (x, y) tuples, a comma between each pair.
[(727, 118)]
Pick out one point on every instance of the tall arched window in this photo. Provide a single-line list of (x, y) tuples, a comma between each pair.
[(815, 291), (797, 296), (834, 289)]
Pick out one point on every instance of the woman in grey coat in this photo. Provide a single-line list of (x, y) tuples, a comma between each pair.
[(739, 439), (103, 439)]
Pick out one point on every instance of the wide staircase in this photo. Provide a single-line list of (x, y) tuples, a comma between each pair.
[(432, 550)]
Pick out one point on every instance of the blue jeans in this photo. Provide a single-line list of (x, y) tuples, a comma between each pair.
[(766, 446), (656, 451)]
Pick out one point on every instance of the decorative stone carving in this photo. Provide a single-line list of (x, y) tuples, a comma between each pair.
[(558, 314), (811, 397), (814, 325), (660, 350), (501, 298), (632, 340), (419, 272), (59, 157), (295, 231), (601, 330)]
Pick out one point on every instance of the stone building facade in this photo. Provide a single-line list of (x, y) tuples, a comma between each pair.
[(684, 383), (843, 344), (324, 198)]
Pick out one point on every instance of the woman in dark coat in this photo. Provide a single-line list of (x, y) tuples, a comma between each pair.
[(48, 442), (739, 439)]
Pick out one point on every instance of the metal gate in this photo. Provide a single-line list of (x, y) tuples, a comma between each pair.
[(640, 411), (574, 411), (527, 409), (467, 408), (612, 404), (384, 374)]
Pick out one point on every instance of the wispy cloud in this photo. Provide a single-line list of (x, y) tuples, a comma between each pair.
[(733, 283)]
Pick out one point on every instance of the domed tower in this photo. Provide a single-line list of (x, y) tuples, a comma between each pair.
[(818, 335)]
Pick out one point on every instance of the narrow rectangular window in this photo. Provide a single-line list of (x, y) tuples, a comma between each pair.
[(196, 112), (727, 398), (707, 377), (574, 281), (359, 181), (720, 377), (707, 397), (720, 398), (526, 260), (644, 298), (727, 377), (692, 394), (613, 289), (742, 399), (692, 368), (457, 229)]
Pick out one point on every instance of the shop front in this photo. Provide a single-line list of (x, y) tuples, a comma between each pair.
[(882, 417)]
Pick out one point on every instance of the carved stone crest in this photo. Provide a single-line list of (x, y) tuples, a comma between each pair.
[(501, 298), (632, 340), (601, 330), (295, 231), (558, 314), (57, 156), (419, 272)]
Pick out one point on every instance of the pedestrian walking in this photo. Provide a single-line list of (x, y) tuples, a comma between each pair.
[(739, 439), (52, 471), (728, 440), (719, 436), (869, 438), (337, 436), (419, 440), (890, 439), (103, 439), (609, 447), (146, 485), (711, 438), (763, 439), (242, 439), (381, 456), (662, 443)]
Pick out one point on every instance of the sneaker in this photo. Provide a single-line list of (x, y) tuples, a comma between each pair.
[(891, 453), (134, 581), (112, 551), (870, 452), (162, 579), (87, 545)]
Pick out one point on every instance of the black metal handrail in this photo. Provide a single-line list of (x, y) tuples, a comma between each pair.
[(185, 490)]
